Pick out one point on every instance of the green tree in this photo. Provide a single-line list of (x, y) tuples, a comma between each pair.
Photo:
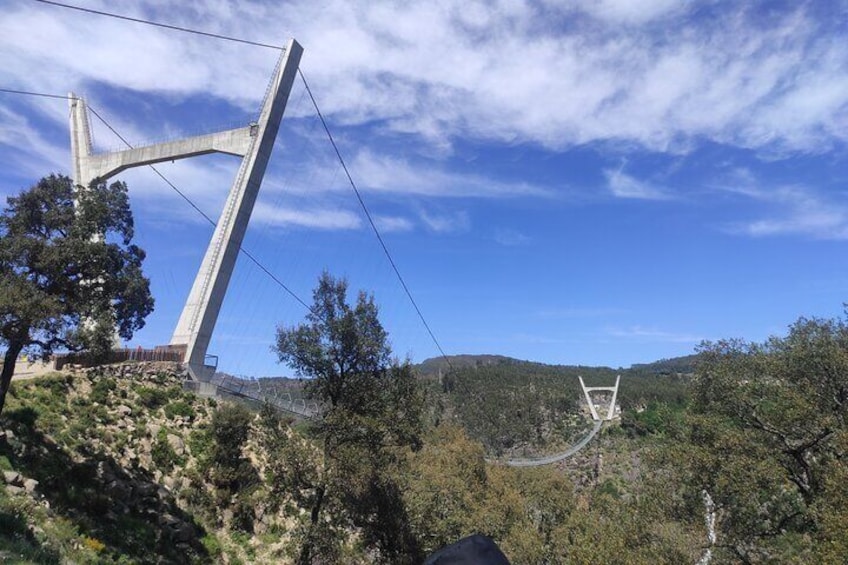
[(69, 274), (372, 411), (767, 440)]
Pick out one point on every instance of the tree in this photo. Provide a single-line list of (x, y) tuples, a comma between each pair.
[(69, 274), (767, 441), (372, 409)]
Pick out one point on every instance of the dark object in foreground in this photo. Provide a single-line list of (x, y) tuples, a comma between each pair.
[(473, 550)]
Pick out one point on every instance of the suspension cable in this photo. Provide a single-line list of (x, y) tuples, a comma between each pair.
[(40, 94), (371, 221), (159, 24)]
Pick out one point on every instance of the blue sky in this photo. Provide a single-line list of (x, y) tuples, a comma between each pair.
[(606, 182)]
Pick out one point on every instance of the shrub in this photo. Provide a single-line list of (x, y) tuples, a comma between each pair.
[(163, 454), (93, 544), (179, 408), (151, 397), (230, 428), (212, 545), (101, 389)]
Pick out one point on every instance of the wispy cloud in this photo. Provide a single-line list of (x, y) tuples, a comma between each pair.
[(501, 70), (389, 224), (388, 174), (623, 185), (788, 209), (446, 222), (307, 218), (628, 12), (25, 151), (511, 238), (653, 335), (799, 211)]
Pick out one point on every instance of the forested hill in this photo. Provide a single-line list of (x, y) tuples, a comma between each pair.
[(431, 367), (676, 365), (523, 408)]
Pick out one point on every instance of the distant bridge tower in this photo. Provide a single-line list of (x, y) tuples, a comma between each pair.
[(254, 144), (612, 389)]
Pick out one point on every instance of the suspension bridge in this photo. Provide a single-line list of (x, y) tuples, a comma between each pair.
[(612, 413)]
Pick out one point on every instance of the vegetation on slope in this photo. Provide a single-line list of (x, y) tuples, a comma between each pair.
[(120, 465)]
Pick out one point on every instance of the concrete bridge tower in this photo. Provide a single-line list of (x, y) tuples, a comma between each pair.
[(253, 143), (613, 389)]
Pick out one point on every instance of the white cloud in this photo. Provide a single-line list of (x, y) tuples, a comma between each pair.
[(384, 173), (508, 71), (387, 224), (785, 209), (446, 222), (315, 218), (626, 11), (652, 335), (796, 211), (27, 152), (623, 185), (511, 238)]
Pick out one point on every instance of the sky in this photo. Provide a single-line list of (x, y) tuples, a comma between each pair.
[(596, 183)]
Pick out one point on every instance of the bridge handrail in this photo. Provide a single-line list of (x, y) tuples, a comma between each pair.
[(536, 462)]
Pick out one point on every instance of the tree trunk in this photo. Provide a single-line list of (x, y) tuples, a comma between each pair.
[(306, 551), (9, 361)]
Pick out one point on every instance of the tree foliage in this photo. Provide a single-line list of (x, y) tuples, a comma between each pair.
[(69, 274), (767, 440), (372, 410)]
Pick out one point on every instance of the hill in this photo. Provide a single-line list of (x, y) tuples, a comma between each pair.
[(525, 409), (120, 464)]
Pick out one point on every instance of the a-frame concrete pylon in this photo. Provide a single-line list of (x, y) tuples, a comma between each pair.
[(254, 144), (194, 329), (612, 389)]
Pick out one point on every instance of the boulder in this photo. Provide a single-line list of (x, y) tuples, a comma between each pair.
[(30, 485), (124, 410), (12, 489), (177, 444), (13, 478)]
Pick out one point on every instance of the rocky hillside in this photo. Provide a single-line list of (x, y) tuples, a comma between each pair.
[(118, 464)]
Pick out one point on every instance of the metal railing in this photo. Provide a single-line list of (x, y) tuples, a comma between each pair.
[(252, 389)]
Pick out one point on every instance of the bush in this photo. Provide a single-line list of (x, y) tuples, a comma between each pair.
[(230, 429), (93, 544), (151, 397), (101, 389), (179, 408), (163, 454), (212, 545)]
